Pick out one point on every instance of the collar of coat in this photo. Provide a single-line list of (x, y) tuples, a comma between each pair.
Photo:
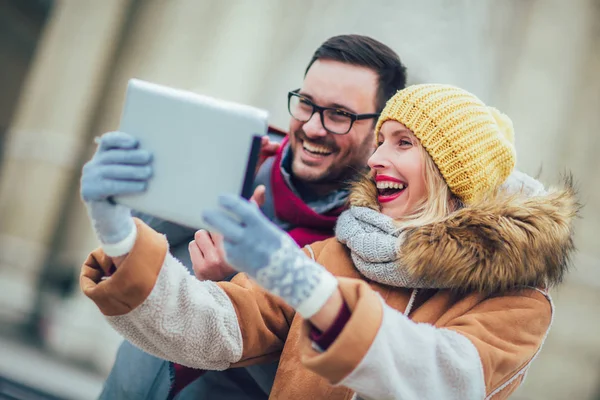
[(500, 244)]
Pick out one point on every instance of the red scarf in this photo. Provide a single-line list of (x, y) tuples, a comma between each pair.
[(307, 225)]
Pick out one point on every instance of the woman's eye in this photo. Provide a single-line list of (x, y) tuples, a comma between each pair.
[(405, 143)]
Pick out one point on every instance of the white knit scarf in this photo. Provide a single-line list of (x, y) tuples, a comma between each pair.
[(374, 241)]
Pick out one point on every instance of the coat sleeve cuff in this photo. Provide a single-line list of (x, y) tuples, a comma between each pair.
[(118, 291), (353, 342), (320, 294), (121, 248)]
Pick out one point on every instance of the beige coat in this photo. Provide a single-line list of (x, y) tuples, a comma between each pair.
[(479, 337)]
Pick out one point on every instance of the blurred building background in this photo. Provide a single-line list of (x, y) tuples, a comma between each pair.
[(64, 65)]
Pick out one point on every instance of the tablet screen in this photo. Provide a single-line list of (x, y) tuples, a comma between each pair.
[(202, 147)]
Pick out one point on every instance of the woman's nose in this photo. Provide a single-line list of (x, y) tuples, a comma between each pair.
[(378, 159)]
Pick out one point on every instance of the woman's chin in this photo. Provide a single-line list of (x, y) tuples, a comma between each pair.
[(395, 211), (391, 212)]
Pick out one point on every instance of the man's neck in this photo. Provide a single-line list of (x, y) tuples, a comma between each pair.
[(313, 190)]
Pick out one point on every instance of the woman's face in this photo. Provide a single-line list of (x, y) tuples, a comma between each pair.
[(398, 168)]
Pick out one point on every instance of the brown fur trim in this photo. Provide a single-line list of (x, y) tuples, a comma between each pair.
[(497, 245), (363, 192)]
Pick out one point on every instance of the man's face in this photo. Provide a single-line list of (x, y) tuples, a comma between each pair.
[(320, 157)]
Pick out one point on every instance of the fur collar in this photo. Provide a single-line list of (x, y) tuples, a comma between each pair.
[(499, 244)]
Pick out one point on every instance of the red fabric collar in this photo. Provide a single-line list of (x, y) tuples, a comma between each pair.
[(307, 225)]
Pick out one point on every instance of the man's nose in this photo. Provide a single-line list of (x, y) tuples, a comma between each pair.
[(313, 128)]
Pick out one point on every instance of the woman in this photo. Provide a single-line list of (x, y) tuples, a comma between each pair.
[(435, 286)]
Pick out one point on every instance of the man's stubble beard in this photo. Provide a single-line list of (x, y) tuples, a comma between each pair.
[(336, 175)]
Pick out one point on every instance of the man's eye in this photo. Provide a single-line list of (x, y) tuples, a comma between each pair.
[(338, 115)]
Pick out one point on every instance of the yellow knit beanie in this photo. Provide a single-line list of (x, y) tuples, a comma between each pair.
[(471, 144)]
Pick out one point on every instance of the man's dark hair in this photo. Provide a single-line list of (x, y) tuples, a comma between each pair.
[(366, 52)]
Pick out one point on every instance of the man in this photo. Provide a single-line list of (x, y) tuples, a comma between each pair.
[(346, 84)]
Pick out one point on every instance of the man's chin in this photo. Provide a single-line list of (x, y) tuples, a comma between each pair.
[(308, 173)]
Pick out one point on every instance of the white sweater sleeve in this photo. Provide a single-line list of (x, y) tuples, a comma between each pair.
[(410, 360), (184, 320)]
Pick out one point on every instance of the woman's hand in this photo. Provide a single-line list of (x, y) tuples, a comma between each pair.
[(255, 245), (207, 253), (118, 167)]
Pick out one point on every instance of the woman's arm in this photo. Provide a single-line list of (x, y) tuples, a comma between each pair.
[(325, 317), (154, 302), (480, 351)]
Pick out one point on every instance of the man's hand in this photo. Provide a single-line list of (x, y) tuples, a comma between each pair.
[(267, 149), (207, 253), (208, 257), (258, 197)]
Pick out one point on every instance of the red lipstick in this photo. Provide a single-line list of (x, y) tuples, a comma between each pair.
[(393, 196)]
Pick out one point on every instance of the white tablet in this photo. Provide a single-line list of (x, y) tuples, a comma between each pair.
[(202, 147)]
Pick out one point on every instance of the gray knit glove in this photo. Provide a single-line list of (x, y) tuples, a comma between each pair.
[(118, 167), (255, 245)]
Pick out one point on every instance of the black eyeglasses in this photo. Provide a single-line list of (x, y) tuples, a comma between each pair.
[(334, 120)]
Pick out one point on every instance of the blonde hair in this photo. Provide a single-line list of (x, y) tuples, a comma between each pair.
[(439, 202)]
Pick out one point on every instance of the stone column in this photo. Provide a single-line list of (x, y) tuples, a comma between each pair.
[(550, 53), (44, 141), (551, 91)]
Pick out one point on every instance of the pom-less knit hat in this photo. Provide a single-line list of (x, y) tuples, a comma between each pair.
[(471, 144)]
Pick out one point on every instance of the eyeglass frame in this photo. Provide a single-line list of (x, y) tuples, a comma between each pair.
[(316, 108)]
